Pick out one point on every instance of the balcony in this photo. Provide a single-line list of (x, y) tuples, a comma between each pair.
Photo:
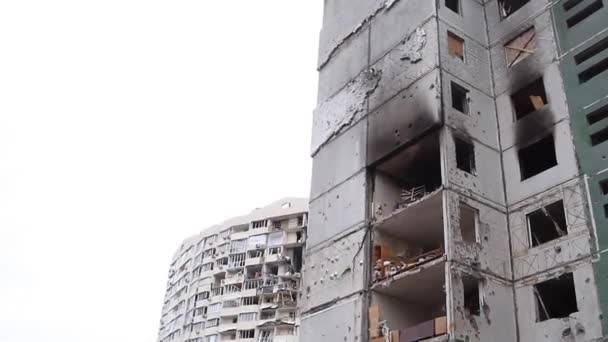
[(233, 280)]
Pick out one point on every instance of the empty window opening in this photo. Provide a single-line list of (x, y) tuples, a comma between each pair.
[(453, 5), (594, 70), (468, 223), (297, 259), (591, 51), (599, 137), (529, 99), (472, 304), (604, 186), (508, 7), (598, 115), (521, 47), (547, 223), (465, 156), (584, 13), (570, 4), (455, 46), (460, 98), (606, 210), (555, 298), (537, 157)]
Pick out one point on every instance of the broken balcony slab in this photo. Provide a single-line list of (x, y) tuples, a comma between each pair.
[(419, 222), (406, 285)]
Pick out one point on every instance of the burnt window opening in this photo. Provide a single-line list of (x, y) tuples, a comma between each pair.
[(453, 5), (455, 46), (604, 186), (465, 156), (569, 4), (599, 137), (468, 223), (472, 304), (520, 47), (555, 298), (460, 98), (508, 7), (584, 13), (537, 157), (529, 99), (592, 71), (591, 51), (406, 177), (547, 223), (597, 115)]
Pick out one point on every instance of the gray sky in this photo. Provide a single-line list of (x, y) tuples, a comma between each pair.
[(125, 127)]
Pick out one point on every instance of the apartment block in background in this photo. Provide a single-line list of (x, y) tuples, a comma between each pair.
[(459, 187), (239, 280)]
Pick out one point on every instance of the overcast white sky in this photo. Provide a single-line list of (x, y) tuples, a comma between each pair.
[(127, 126)]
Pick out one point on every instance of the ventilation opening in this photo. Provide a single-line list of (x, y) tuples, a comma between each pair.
[(472, 304), (599, 137), (455, 46), (465, 156), (604, 186), (454, 5), (460, 98), (569, 4), (521, 47), (547, 223), (508, 7), (591, 51), (593, 71), (529, 99), (584, 13), (538, 157), (468, 223), (555, 298), (597, 115)]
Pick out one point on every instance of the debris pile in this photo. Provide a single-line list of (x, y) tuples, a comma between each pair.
[(387, 265)]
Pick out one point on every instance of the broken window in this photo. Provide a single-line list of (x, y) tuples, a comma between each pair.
[(247, 333), (468, 223), (537, 157), (604, 186), (472, 304), (455, 46), (584, 13), (453, 5), (555, 298), (508, 7), (460, 98), (529, 99), (465, 155), (521, 47), (599, 136), (547, 223)]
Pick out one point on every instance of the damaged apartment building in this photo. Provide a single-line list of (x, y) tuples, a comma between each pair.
[(460, 173), (239, 280)]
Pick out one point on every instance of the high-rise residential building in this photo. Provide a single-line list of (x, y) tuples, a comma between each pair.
[(460, 184), (238, 280)]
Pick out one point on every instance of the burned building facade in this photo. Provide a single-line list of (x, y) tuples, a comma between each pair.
[(459, 190)]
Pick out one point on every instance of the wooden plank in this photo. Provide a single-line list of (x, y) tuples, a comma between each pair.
[(441, 326), (374, 320)]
